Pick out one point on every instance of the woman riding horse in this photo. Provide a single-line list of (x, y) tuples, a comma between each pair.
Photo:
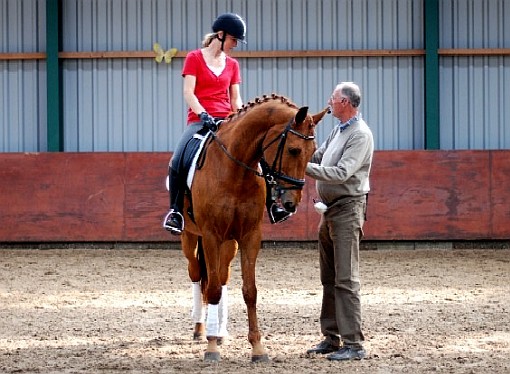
[(211, 90)]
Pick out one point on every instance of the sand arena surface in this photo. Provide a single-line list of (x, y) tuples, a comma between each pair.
[(112, 311)]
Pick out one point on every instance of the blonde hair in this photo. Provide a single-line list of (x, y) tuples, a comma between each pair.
[(208, 38)]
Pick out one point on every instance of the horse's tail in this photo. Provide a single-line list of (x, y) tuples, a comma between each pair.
[(203, 268)]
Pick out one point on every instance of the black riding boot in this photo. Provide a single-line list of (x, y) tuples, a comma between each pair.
[(174, 221)]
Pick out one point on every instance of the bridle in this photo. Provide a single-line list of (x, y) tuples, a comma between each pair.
[(273, 173)]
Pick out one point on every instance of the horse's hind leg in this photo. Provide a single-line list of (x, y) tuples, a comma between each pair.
[(191, 246)]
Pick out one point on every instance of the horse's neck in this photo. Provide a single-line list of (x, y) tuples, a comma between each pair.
[(243, 137), (244, 143)]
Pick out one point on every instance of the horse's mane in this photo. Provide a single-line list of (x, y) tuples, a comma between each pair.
[(261, 100)]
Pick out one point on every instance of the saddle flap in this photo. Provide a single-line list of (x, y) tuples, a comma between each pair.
[(191, 155)]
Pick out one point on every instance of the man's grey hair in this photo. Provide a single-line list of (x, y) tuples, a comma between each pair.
[(351, 91)]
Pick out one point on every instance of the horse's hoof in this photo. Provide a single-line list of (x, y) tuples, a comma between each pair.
[(212, 356), (260, 358), (198, 336)]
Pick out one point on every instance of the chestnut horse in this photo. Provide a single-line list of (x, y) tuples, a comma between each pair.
[(228, 195)]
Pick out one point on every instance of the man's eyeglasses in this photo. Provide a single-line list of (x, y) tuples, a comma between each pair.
[(342, 100)]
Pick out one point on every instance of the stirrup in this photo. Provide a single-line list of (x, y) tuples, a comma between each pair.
[(170, 223)]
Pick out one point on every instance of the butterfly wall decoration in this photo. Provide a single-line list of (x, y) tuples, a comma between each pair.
[(162, 54)]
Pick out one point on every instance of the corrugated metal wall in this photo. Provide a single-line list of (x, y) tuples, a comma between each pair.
[(123, 104), (22, 83), (475, 90), (136, 104)]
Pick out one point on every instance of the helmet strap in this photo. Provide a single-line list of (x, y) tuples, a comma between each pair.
[(222, 40)]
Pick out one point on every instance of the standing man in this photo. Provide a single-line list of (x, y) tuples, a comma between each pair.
[(341, 166)]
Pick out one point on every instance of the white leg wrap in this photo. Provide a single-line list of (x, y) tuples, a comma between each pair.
[(212, 323), (198, 311), (223, 312)]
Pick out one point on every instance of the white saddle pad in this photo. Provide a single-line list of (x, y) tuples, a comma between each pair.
[(191, 172)]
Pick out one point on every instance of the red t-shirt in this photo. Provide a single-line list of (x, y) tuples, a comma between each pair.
[(212, 91)]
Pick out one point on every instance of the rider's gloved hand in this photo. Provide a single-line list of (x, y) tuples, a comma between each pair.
[(208, 121)]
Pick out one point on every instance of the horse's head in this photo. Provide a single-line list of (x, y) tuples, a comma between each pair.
[(288, 147)]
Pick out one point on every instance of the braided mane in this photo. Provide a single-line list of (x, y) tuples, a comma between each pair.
[(260, 100)]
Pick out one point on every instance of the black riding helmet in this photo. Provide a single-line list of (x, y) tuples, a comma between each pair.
[(232, 24)]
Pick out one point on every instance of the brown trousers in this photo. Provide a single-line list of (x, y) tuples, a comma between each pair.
[(340, 232)]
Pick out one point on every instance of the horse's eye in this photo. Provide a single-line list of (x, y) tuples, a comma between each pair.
[(294, 151)]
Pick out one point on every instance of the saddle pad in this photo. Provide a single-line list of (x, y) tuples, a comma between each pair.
[(190, 156), (198, 151)]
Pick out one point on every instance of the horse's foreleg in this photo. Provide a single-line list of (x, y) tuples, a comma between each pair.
[(212, 352), (228, 252), (223, 313), (254, 336), (248, 260), (213, 292), (218, 257), (217, 320), (213, 332)]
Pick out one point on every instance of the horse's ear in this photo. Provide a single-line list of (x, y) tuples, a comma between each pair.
[(317, 117), (301, 114)]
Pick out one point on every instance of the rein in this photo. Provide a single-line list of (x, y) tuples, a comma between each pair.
[(273, 173)]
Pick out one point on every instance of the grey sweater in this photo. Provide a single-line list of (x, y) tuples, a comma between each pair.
[(341, 165)]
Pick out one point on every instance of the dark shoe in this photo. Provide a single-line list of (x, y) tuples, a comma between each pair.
[(174, 222), (278, 214), (347, 353), (323, 348)]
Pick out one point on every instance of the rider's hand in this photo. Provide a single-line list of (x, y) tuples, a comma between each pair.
[(208, 121)]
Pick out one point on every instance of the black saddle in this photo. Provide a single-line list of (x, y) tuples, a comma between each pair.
[(190, 151)]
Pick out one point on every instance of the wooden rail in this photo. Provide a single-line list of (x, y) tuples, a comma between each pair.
[(475, 52), (23, 56), (268, 54)]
